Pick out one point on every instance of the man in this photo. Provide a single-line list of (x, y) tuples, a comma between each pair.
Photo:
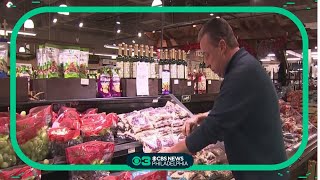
[(245, 114)]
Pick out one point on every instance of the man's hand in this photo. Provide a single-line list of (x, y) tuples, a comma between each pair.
[(193, 122)]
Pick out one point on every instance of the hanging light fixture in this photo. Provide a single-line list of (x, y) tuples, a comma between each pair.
[(119, 31), (55, 20), (133, 41), (157, 3), (118, 20), (80, 24), (139, 34), (28, 24), (9, 4), (63, 13)]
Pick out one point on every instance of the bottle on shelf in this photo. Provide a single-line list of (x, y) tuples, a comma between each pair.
[(147, 59), (131, 58), (184, 59), (161, 63), (180, 65), (126, 62), (135, 60), (119, 60), (152, 69), (141, 54), (173, 65), (166, 66)]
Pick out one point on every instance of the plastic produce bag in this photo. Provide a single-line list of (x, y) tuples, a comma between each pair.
[(69, 118), (154, 175), (88, 175), (93, 152), (61, 138), (122, 176), (34, 141), (7, 155), (97, 127), (23, 173), (43, 111)]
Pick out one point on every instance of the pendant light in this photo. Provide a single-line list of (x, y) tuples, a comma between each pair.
[(28, 24)]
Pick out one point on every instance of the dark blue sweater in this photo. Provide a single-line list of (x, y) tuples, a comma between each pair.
[(246, 117)]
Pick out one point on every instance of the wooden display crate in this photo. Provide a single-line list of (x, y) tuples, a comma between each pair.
[(129, 89), (22, 90), (63, 88), (213, 86)]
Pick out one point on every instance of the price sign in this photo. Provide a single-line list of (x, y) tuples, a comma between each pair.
[(185, 98)]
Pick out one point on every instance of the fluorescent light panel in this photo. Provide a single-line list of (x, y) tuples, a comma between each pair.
[(21, 33)]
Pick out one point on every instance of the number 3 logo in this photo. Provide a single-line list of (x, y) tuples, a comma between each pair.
[(146, 161)]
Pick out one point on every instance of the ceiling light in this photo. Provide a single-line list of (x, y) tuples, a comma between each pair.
[(118, 31), (114, 57), (157, 3), (63, 13), (114, 45), (123, 43), (271, 55), (81, 24), (133, 41), (9, 4), (287, 54), (211, 14), (21, 33), (55, 20), (139, 34), (294, 53), (316, 47), (293, 59), (218, 17), (118, 22), (153, 31), (28, 24), (8, 42), (22, 49), (194, 25)]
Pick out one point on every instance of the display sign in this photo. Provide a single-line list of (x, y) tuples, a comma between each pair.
[(165, 82), (142, 80)]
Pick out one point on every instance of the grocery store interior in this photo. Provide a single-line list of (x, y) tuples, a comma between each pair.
[(126, 82)]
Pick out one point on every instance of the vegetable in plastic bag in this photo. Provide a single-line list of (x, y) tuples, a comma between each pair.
[(23, 173), (93, 152)]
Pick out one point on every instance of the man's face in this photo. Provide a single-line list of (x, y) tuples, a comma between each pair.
[(213, 55)]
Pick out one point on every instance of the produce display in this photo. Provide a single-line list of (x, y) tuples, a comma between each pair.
[(291, 125), (295, 99), (62, 61), (156, 128), (23, 173)]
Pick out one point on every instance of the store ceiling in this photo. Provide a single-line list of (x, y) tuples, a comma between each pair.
[(100, 29)]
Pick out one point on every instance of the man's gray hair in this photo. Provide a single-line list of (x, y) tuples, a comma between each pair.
[(217, 29)]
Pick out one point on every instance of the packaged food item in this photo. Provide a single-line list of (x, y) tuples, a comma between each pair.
[(122, 176), (83, 63), (3, 59), (151, 144), (34, 141), (104, 83), (62, 138), (23, 173), (93, 152), (116, 91), (154, 175), (40, 62), (52, 60), (88, 175), (139, 123), (97, 127), (7, 155), (42, 111), (69, 118), (70, 60)]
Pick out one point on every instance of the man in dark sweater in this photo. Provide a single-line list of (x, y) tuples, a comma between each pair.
[(245, 114)]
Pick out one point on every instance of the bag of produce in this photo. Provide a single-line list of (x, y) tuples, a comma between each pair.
[(43, 111), (89, 111), (29, 122), (104, 83), (97, 127), (70, 58), (93, 152), (69, 118), (153, 175), (52, 60), (23, 173), (7, 156), (123, 176), (3, 59), (83, 63), (61, 138), (116, 91), (34, 141)]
